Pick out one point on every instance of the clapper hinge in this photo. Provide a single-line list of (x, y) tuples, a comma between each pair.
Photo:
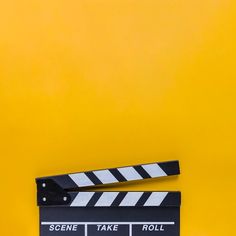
[(49, 193)]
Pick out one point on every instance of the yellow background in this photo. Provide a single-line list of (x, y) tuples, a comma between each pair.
[(97, 83)]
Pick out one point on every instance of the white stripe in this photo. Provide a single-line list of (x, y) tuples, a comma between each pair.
[(129, 173), (131, 198), (105, 176), (82, 199), (107, 199), (156, 199), (106, 223), (154, 170), (86, 230), (81, 179)]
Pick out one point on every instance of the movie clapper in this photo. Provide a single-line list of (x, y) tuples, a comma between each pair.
[(68, 208)]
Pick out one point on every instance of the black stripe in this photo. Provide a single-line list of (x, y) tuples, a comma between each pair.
[(65, 181), (118, 175), (94, 199), (142, 172), (170, 167), (93, 178), (143, 198), (172, 199), (73, 195), (119, 199)]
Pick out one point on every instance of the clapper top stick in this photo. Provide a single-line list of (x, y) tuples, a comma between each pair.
[(67, 209)]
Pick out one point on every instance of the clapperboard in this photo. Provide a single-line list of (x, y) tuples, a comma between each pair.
[(68, 208)]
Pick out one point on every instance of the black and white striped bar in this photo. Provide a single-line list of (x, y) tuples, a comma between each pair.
[(115, 175), (125, 199)]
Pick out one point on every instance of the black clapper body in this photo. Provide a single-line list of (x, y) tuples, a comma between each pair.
[(67, 212)]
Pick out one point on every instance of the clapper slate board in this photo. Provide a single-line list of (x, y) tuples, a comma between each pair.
[(67, 212)]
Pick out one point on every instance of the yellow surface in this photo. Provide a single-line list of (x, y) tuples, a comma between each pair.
[(99, 83)]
